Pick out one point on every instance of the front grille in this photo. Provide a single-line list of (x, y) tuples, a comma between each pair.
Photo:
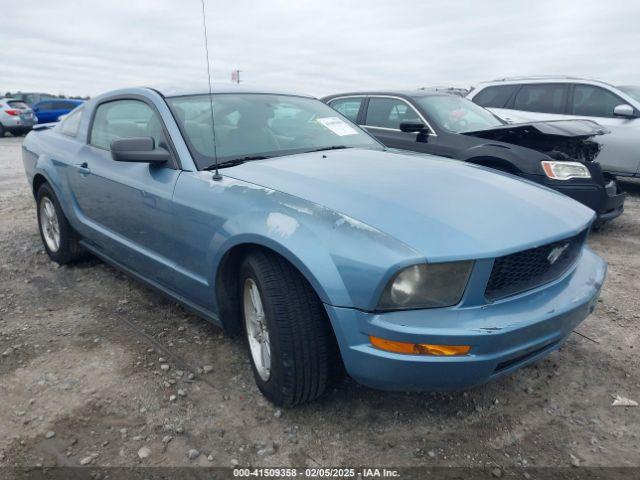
[(531, 268)]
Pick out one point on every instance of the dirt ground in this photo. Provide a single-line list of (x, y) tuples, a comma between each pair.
[(84, 352)]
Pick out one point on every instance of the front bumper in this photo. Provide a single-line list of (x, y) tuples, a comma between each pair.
[(607, 200), (504, 335), (601, 194)]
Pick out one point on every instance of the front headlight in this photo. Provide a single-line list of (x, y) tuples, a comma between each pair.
[(565, 170), (426, 285)]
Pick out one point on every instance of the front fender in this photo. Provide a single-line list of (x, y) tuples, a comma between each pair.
[(284, 234), (504, 153), (346, 262)]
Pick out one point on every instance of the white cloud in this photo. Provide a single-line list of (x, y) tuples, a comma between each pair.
[(318, 47)]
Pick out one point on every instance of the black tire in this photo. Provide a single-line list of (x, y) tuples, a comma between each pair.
[(1, 131), (69, 249), (303, 347)]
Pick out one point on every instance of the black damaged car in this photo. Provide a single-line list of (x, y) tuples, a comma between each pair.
[(558, 154)]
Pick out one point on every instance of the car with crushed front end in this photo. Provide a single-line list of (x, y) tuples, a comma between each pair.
[(525, 99), (561, 155), (325, 250)]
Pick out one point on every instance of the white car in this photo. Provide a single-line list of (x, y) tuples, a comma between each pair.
[(15, 117), (526, 99)]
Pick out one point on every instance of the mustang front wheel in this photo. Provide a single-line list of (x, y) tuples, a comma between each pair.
[(290, 342)]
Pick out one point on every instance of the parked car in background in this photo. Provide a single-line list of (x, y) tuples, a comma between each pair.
[(15, 117), (559, 155), (31, 98), (49, 111), (557, 98), (460, 91), (314, 240)]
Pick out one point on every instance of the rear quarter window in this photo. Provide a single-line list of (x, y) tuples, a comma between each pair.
[(71, 123)]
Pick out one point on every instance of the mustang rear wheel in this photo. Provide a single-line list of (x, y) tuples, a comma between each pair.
[(58, 237), (290, 342)]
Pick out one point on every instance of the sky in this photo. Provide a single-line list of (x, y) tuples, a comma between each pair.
[(317, 47)]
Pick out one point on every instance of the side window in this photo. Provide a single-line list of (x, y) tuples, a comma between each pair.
[(70, 125), (125, 119), (46, 106), (592, 101), (349, 107), (389, 112), (496, 96), (60, 105), (541, 97)]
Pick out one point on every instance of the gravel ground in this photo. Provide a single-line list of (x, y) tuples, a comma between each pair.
[(97, 369)]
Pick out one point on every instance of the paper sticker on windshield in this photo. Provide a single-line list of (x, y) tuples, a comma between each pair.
[(337, 126)]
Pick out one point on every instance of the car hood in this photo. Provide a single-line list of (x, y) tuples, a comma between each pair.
[(445, 209), (558, 128), (561, 139)]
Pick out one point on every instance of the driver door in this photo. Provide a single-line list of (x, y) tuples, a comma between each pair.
[(383, 117), (127, 205)]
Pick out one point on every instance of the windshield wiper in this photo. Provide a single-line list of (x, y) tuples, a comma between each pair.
[(236, 161), (332, 147)]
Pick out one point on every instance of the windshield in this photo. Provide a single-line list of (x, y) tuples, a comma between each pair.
[(632, 90), (457, 114), (262, 125)]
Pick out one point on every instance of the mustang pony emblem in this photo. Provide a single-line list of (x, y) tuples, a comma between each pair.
[(554, 255)]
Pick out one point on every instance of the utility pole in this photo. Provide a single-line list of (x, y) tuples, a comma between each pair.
[(235, 76)]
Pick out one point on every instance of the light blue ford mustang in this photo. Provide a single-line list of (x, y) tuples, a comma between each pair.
[(413, 271)]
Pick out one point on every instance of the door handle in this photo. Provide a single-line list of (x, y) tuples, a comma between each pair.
[(83, 168)]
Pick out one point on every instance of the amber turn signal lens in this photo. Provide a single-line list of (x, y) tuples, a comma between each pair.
[(419, 348)]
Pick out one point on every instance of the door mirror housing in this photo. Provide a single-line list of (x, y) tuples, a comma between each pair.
[(624, 110), (138, 149), (413, 126)]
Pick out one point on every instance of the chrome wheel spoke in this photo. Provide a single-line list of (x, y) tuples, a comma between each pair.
[(256, 327), (265, 354)]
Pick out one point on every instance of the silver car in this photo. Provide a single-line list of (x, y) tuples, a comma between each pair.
[(526, 99), (15, 117)]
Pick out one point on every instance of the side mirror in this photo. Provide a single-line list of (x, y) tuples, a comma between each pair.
[(138, 149), (413, 126), (624, 110)]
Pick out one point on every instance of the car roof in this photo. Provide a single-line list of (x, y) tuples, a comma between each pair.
[(545, 79), (222, 88), (393, 93), (70, 100)]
